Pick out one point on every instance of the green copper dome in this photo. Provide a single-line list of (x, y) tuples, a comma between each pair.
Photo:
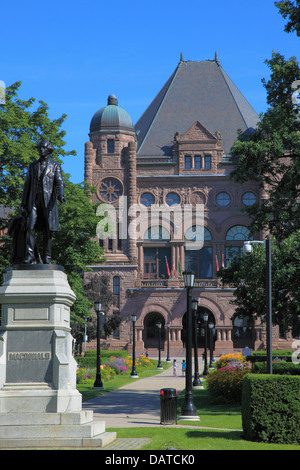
[(112, 118)]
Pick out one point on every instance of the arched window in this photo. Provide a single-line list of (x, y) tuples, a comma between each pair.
[(157, 233), (199, 261), (238, 232), (197, 233)]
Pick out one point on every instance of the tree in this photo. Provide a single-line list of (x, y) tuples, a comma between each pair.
[(98, 287), (270, 155), (247, 274), (74, 246), (291, 10)]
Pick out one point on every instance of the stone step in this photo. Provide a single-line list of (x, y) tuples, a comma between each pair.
[(101, 440), (41, 431), (32, 418)]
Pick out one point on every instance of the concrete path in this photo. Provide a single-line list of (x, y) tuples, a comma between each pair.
[(137, 403)]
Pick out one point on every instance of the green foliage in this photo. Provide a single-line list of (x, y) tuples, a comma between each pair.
[(247, 274), (225, 384), (270, 155), (22, 125), (280, 368), (271, 408), (290, 9), (107, 353)]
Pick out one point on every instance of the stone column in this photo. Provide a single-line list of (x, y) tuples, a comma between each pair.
[(131, 199), (89, 162)]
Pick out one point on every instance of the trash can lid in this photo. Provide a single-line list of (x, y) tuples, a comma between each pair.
[(170, 392)]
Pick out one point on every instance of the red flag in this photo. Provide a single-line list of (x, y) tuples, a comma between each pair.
[(217, 264), (168, 270)]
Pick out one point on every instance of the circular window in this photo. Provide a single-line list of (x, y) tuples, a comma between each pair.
[(172, 199), (147, 199), (110, 189), (249, 198), (223, 199)]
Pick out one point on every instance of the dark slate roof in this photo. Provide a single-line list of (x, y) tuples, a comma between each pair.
[(196, 91)]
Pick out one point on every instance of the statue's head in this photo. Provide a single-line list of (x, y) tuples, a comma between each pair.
[(44, 147)]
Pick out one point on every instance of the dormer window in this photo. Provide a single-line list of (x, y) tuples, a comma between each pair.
[(207, 162), (188, 162), (110, 146)]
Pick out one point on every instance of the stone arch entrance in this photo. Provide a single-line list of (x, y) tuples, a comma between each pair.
[(150, 331), (200, 329), (243, 334)]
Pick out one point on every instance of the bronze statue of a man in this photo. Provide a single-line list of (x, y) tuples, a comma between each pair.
[(43, 186)]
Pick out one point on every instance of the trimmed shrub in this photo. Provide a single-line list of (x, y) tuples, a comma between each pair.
[(281, 368), (261, 356), (271, 408), (106, 353)]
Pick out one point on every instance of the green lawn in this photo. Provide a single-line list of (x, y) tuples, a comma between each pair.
[(196, 439), (224, 423), (88, 391)]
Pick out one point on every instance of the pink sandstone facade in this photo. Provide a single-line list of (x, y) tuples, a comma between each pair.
[(191, 170)]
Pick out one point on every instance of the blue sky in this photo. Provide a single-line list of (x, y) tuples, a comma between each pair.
[(73, 54)]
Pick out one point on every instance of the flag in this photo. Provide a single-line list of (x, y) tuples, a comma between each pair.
[(168, 270), (174, 271), (179, 268), (217, 264), (223, 262)]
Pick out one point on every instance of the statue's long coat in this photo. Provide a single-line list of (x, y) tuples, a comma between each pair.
[(53, 186)]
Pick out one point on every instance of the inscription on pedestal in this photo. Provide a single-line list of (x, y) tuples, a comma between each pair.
[(29, 356)]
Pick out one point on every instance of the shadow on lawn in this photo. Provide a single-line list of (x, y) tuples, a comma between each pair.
[(215, 434)]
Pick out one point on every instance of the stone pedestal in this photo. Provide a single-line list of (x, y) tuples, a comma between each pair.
[(38, 396)]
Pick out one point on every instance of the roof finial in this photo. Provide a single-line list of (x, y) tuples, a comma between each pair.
[(181, 57), (216, 58)]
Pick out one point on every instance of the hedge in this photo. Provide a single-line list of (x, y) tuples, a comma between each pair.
[(89, 360), (261, 356), (106, 353), (282, 368), (271, 408)]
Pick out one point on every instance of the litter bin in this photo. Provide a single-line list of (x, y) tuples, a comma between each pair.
[(168, 406)]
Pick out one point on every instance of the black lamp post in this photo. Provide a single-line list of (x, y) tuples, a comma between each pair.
[(196, 382), (159, 325), (168, 341), (188, 410), (133, 370), (205, 319), (247, 249), (98, 382), (211, 329)]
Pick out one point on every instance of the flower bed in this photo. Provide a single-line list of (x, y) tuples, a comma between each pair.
[(225, 383)]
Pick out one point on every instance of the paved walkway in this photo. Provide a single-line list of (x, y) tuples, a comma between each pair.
[(137, 403)]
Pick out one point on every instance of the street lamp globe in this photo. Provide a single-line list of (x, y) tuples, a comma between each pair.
[(194, 305), (189, 279), (98, 305)]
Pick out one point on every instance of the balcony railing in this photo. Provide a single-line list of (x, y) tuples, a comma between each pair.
[(175, 282)]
